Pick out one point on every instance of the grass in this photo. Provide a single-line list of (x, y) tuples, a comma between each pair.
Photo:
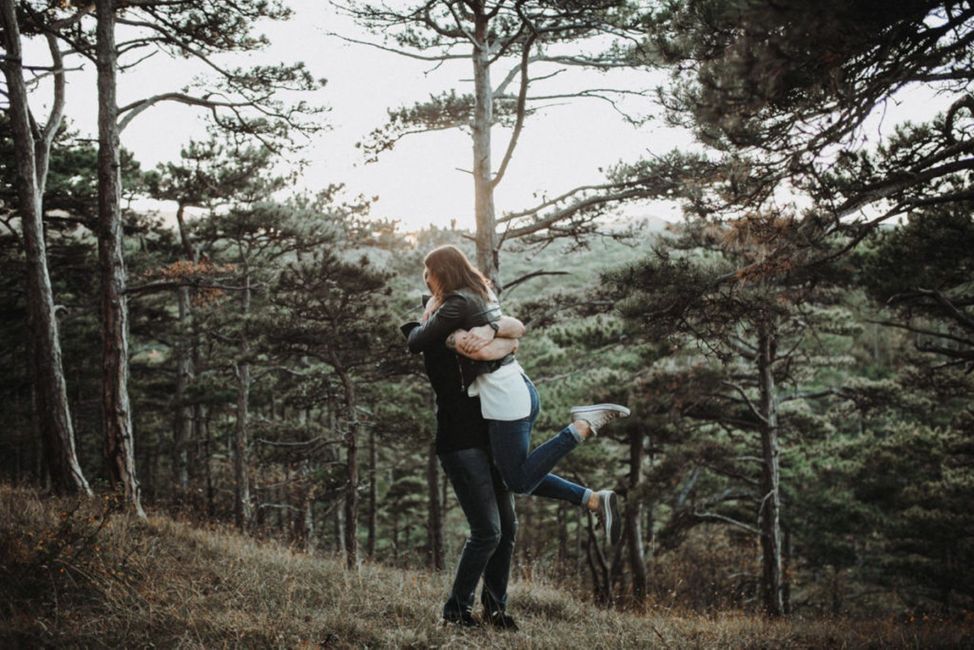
[(76, 576)]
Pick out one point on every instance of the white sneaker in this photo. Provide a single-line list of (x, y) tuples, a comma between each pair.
[(598, 415), (608, 513)]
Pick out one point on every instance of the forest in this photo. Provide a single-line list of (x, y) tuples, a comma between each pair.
[(796, 345)]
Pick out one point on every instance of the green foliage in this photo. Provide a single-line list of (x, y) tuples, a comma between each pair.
[(932, 302)]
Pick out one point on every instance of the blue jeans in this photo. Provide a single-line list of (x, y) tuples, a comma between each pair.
[(489, 508), (525, 473)]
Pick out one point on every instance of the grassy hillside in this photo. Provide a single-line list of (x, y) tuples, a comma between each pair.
[(75, 577)]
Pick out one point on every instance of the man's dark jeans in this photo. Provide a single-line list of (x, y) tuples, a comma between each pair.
[(489, 508)]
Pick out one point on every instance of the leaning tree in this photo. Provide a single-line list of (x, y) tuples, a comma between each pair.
[(32, 152)]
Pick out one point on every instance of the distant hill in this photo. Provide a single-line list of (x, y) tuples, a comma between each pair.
[(583, 265)]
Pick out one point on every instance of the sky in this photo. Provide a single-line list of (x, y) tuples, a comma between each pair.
[(422, 181)]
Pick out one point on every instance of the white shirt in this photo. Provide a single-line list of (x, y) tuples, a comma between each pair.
[(503, 393)]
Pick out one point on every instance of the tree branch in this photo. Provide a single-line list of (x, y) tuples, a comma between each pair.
[(519, 120), (406, 53), (534, 274), (750, 405), (320, 440), (137, 107), (949, 307), (920, 330), (713, 516)]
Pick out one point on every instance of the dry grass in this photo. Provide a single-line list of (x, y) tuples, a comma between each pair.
[(88, 579)]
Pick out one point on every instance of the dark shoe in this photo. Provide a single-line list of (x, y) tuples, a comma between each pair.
[(610, 516), (461, 619), (499, 619)]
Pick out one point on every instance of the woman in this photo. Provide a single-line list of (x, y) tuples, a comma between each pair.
[(463, 301)]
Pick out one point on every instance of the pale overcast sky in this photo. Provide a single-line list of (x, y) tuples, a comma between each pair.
[(419, 182)]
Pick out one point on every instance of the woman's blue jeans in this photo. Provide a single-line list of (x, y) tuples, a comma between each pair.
[(529, 473)]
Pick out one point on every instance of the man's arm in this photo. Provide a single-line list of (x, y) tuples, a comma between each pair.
[(469, 343), (496, 349), (483, 344), (508, 327), (436, 327)]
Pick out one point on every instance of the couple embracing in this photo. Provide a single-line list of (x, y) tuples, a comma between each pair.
[(485, 410)]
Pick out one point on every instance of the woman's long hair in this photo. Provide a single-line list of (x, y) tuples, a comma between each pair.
[(451, 270)]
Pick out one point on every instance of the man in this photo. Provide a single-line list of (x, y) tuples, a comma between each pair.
[(463, 447)]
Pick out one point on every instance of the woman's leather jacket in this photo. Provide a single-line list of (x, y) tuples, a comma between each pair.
[(462, 309)]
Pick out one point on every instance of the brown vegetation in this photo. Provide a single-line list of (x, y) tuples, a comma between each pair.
[(85, 576)]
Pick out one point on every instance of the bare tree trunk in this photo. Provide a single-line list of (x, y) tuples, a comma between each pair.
[(150, 462), (184, 416), (786, 563), (770, 511), (434, 526), (241, 492), (483, 117), (182, 413), (370, 543), (601, 577), (335, 455), (119, 443), (340, 530), (562, 523), (634, 540), (578, 542), (204, 435), (618, 577), (351, 467), (52, 414), (198, 425), (307, 507)]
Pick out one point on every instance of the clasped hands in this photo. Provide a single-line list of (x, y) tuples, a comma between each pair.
[(481, 343), (469, 342)]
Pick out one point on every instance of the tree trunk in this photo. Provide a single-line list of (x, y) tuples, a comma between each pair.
[(182, 413), (578, 542), (786, 563), (119, 444), (307, 507), (618, 577), (150, 463), (52, 413), (634, 541), (184, 416), (204, 435), (601, 577), (770, 511), (483, 117), (351, 467), (435, 517), (340, 530), (241, 492), (198, 425), (561, 520), (370, 543)]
